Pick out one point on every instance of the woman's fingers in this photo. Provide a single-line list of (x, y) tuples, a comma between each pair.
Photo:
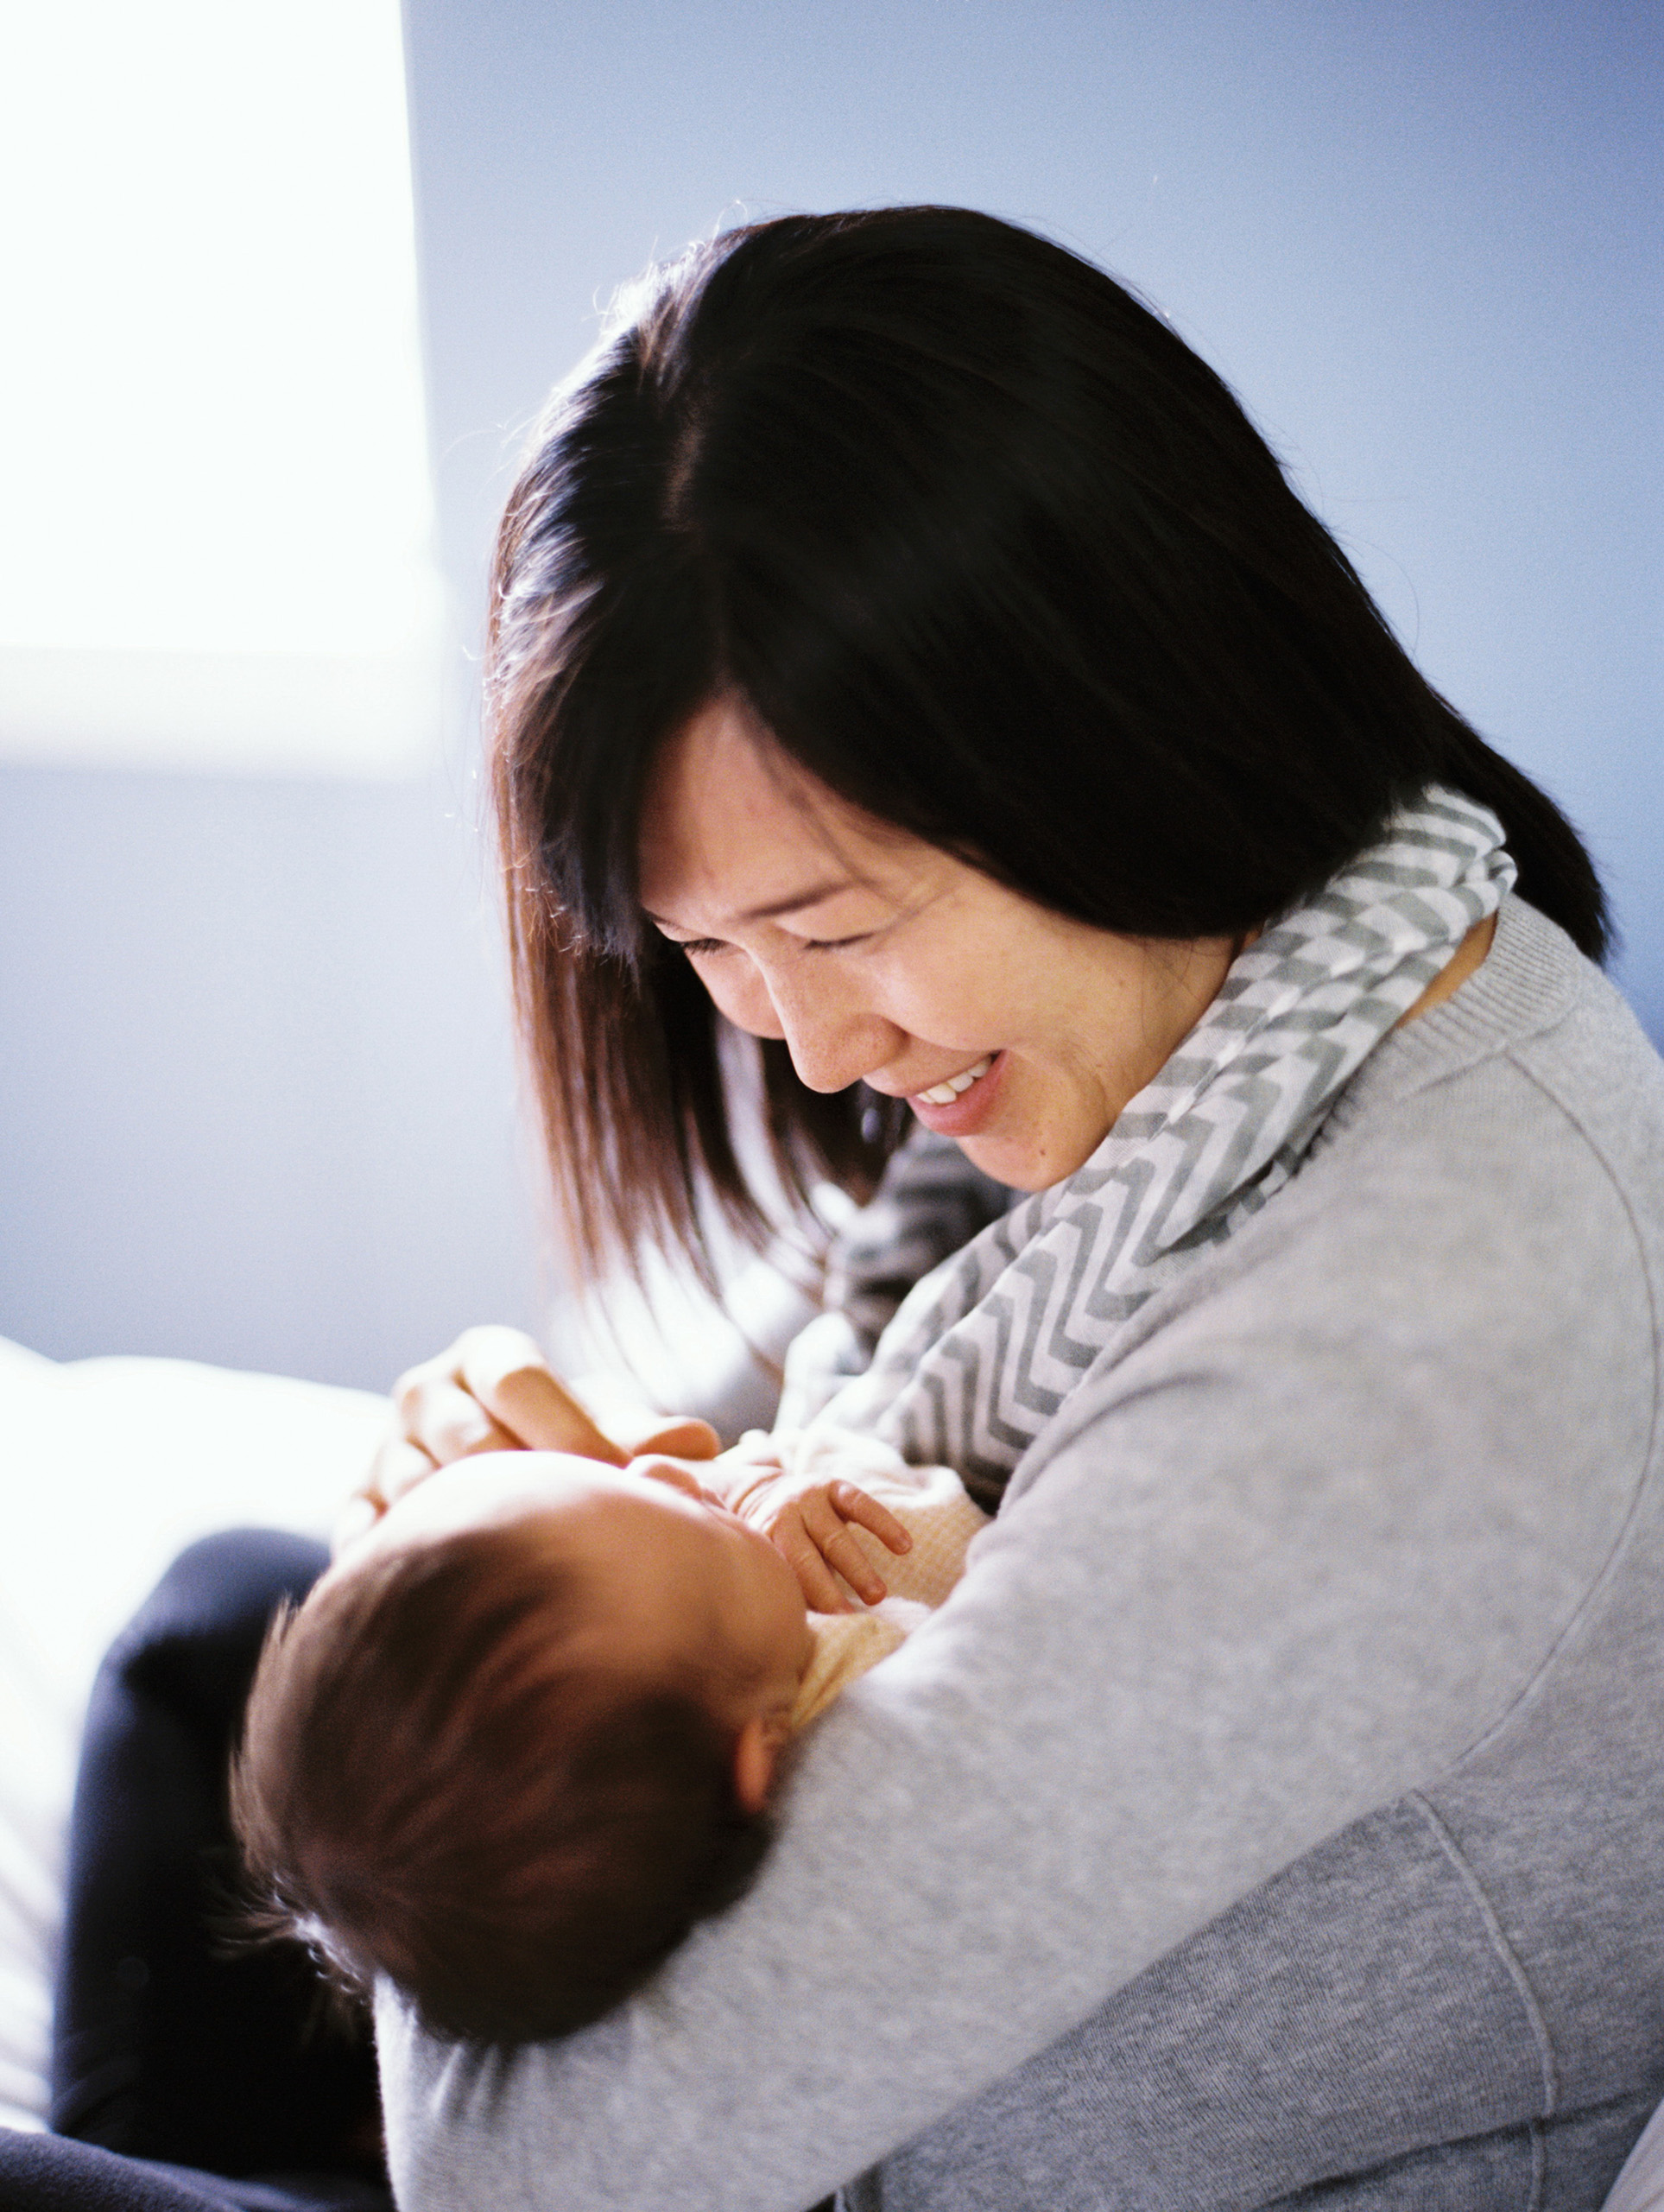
[(397, 1467), (354, 1521), (618, 1408), (658, 1466), (493, 1391), (682, 1437), (447, 1422), (505, 1370), (855, 1505)]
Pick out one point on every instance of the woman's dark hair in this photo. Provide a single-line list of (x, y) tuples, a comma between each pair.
[(988, 550), (433, 1784)]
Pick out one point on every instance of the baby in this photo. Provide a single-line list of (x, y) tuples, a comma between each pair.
[(524, 1733)]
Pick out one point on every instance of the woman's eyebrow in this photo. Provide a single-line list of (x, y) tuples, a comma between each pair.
[(771, 908)]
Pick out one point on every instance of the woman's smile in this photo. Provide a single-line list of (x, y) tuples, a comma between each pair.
[(1016, 1031), (957, 1086), (963, 1103)]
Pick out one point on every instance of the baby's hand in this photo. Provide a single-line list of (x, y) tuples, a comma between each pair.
[(807, 1519)]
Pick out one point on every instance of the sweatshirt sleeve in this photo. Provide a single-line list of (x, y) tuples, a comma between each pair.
[(1212, 1629)]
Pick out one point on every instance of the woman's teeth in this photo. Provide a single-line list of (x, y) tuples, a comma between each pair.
[(945, 1093)]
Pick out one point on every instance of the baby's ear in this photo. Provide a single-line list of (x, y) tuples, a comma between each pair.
[(757, 1753)]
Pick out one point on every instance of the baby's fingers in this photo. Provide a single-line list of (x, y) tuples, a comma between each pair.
[(801, 1552), (855, 1505), (841, 1548)]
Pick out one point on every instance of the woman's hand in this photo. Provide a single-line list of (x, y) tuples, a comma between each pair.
[(492, 1390)]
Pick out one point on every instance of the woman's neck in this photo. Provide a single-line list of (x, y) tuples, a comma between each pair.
[(1469, 956)]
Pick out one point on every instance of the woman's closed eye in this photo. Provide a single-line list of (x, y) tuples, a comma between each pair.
[(705, 948)]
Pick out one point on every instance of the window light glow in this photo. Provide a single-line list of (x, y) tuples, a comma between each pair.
[(216, 524)]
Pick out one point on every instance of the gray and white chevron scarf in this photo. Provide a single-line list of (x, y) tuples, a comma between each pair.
[(985, 1349)]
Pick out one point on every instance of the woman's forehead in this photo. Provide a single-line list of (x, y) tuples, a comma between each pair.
[(733, 825)]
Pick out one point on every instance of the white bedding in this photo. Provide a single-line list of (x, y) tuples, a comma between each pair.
[(108, 1467)]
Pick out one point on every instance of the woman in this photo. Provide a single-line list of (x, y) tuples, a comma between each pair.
[(905, 652), (903, 647)]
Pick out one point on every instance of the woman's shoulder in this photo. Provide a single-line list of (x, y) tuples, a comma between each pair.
[(1472, 1254), (1537, 1059), (1500, 1160)]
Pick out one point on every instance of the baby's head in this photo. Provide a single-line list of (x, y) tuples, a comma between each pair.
[(520, 1739)]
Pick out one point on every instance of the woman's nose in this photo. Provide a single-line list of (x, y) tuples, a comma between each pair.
[(834, 1038), (830, 1056)]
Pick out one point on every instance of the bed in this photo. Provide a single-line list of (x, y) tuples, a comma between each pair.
[(109, 1468)]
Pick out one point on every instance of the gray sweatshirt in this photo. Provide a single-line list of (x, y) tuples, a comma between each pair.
[(1278, 1801)]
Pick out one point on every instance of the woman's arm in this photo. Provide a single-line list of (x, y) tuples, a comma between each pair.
[(1212, 1630)]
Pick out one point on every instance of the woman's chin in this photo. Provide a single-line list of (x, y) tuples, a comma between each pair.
[(1032, 1150), (1022, 1165), (1024, 1125)]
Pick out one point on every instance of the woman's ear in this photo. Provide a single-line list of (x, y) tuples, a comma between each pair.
[(756, 1754)]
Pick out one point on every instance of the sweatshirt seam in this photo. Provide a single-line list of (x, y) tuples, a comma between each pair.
[(1615, 1184), (1604, 1573), (1512, 1966), (1539, 2166)]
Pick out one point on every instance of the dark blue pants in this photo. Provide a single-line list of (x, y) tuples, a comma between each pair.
[(189, 2072)]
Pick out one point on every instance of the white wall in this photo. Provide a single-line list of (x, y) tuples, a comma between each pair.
[(253, 1082)]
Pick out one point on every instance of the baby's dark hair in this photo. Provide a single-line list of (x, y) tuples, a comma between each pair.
[(435, 1783)]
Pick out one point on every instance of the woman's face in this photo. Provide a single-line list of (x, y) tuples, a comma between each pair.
[(1015, 1031)]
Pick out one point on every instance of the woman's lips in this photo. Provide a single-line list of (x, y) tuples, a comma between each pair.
[(954, 1087), (969, 1108)]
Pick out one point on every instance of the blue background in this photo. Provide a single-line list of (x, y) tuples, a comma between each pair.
[(256, 1096)]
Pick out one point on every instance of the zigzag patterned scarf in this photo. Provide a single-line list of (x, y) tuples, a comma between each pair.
[(986, 1348)]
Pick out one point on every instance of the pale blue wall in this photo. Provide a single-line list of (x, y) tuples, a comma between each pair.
[(1422, 242), (254, 1091)]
